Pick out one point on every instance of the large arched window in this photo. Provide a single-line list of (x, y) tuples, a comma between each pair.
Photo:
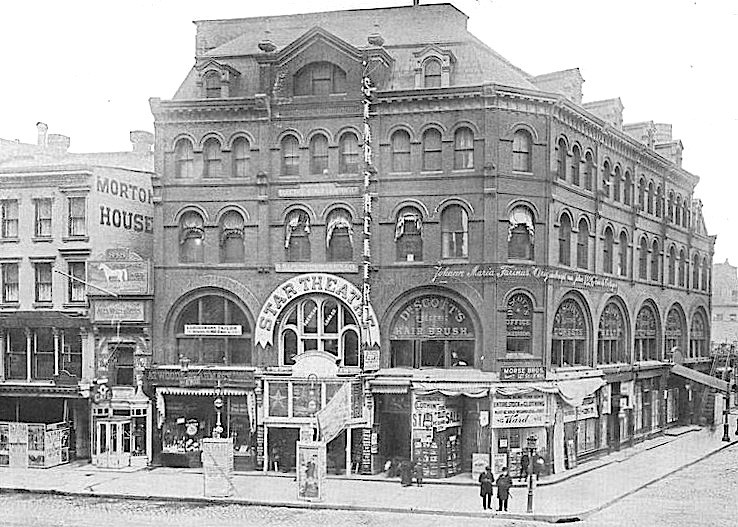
[(606, 179), (432, 153), (628, 193), (211, 80), (674, 332), (588, 170), (418, 340), (565, 240), (616, 184), (290, 151), (623, 254), (463, 149), (682, 268), (320, 78), (319, 323), (607, 251), (409, 235), (231, 237), (519, 324), (348, 162), (576, 161), (198, 344), (339, 236), (184, 159), (569, 336), (318, 154), (432, 73), (583, 245), (672, 266), (297, 236), (454, 232), (240, 157), (561, 155), (646, 335), (191, 238), (522, 151), (698, 336), (211, 158), (696, 272), (655, 259), (611, 336), (400, 151), (643, 259), (520, 234)]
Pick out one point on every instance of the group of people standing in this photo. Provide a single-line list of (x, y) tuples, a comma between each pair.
[(486, 488)]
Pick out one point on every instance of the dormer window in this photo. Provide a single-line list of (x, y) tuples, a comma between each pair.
[(211, 81), (432, 74), (320, 78)]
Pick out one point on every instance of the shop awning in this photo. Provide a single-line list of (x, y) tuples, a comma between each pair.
[(31, 390), (699, 377), (202, 392), (574, 391), (389, 385), (452, 389)]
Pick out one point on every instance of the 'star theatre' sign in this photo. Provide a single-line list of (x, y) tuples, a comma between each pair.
[(480, 273), (313, 283)]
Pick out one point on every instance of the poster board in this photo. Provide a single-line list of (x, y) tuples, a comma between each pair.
[(311, 467), (480, 461), (217, 466), (571, 454), (499, 462)]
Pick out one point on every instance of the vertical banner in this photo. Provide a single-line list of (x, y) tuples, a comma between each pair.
[(311, 465), (367, 91)]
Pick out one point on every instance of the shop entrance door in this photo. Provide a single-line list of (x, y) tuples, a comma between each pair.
[(113, 443)]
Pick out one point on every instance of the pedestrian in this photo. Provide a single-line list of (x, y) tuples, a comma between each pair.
[(504, 482), (486, 488), (406, 473), (418, 469), (524, 463)]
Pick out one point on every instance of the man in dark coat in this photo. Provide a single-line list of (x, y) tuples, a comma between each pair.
[(486, 488), (524, 462), (504, 482), (406, 473)]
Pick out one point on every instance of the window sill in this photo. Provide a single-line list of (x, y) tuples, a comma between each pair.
[(76, 238), (522, 172), (44, 239), (459, 260), (10, 305), (408, 263), (9, 240), (43, 305), (75, 305), (316, 267)]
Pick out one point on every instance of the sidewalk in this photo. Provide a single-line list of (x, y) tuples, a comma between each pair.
[(569, 496)]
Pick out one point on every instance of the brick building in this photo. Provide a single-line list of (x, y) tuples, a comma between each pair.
[(65, 331), (524, 263), (724, 304)]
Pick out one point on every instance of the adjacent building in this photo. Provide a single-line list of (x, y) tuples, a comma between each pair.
[(369, 202), (72, 339), (724, 304)]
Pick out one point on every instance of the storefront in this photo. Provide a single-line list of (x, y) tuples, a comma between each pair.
[(648, 403), (187, 413), (581, 431)]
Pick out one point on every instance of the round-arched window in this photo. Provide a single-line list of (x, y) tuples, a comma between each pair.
[(698, 336), (519, 324), (611, 336), (674, 330), (646, 335), (319, 323), (213, 330), (569, 337)]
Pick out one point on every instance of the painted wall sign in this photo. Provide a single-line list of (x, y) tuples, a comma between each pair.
[(201, 378), (587, 410), (312, 283), (118, 310), (230, 330), (119, 277), (522, 373), (432, 316), (480, 273), (371, 359), (520, 411)]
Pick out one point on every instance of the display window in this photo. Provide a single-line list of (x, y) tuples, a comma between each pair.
[(569, 340)]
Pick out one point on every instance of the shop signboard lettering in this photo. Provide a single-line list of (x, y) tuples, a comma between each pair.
[(314, 283), (118, 310), (522, 373), (520, 411), (481, 273), (433, 317), (587, 410), (432, 413), (371, 359), (203, 378), (118, 277), (219, 330)]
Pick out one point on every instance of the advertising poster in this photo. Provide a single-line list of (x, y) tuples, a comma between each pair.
[(311, 464)]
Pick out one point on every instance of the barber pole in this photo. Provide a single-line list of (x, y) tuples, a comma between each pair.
[(367, 90)]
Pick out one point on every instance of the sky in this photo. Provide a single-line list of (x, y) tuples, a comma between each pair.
[(87, 68)]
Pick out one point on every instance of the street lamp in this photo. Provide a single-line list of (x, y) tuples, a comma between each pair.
[(218, 403), (532, 445), (726, 413)]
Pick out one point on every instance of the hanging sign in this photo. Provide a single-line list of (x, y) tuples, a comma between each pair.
[(520, 411), (587, 410), (220, 330)]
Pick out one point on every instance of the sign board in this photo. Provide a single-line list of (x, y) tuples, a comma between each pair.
[(217, 466), (220, 330), (311, 465), (118, 277), (522, 373), (432, 317), (499, 462), (520, 411), (480, 462), (202, 378), (118, 310), (371, 359), (587, 410), (336, 414)]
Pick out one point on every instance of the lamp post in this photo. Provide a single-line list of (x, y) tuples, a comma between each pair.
[(218, 403), (532, 445), (726, 413)]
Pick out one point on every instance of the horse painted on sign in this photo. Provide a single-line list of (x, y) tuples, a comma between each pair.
[(121, 275)]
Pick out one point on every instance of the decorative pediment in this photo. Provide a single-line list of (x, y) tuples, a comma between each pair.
[(317, 35), (318, 363), (429, 56), (212, 74)]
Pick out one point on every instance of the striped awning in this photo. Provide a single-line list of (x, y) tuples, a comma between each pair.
[(452, 389), (163, 391)]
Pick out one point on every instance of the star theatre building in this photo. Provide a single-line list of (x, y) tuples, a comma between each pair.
[(449, 258)]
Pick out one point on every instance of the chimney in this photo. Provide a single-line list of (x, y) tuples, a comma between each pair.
[(58, 143), (42, 128), (609, 110), (567, 83), (141, 141)]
